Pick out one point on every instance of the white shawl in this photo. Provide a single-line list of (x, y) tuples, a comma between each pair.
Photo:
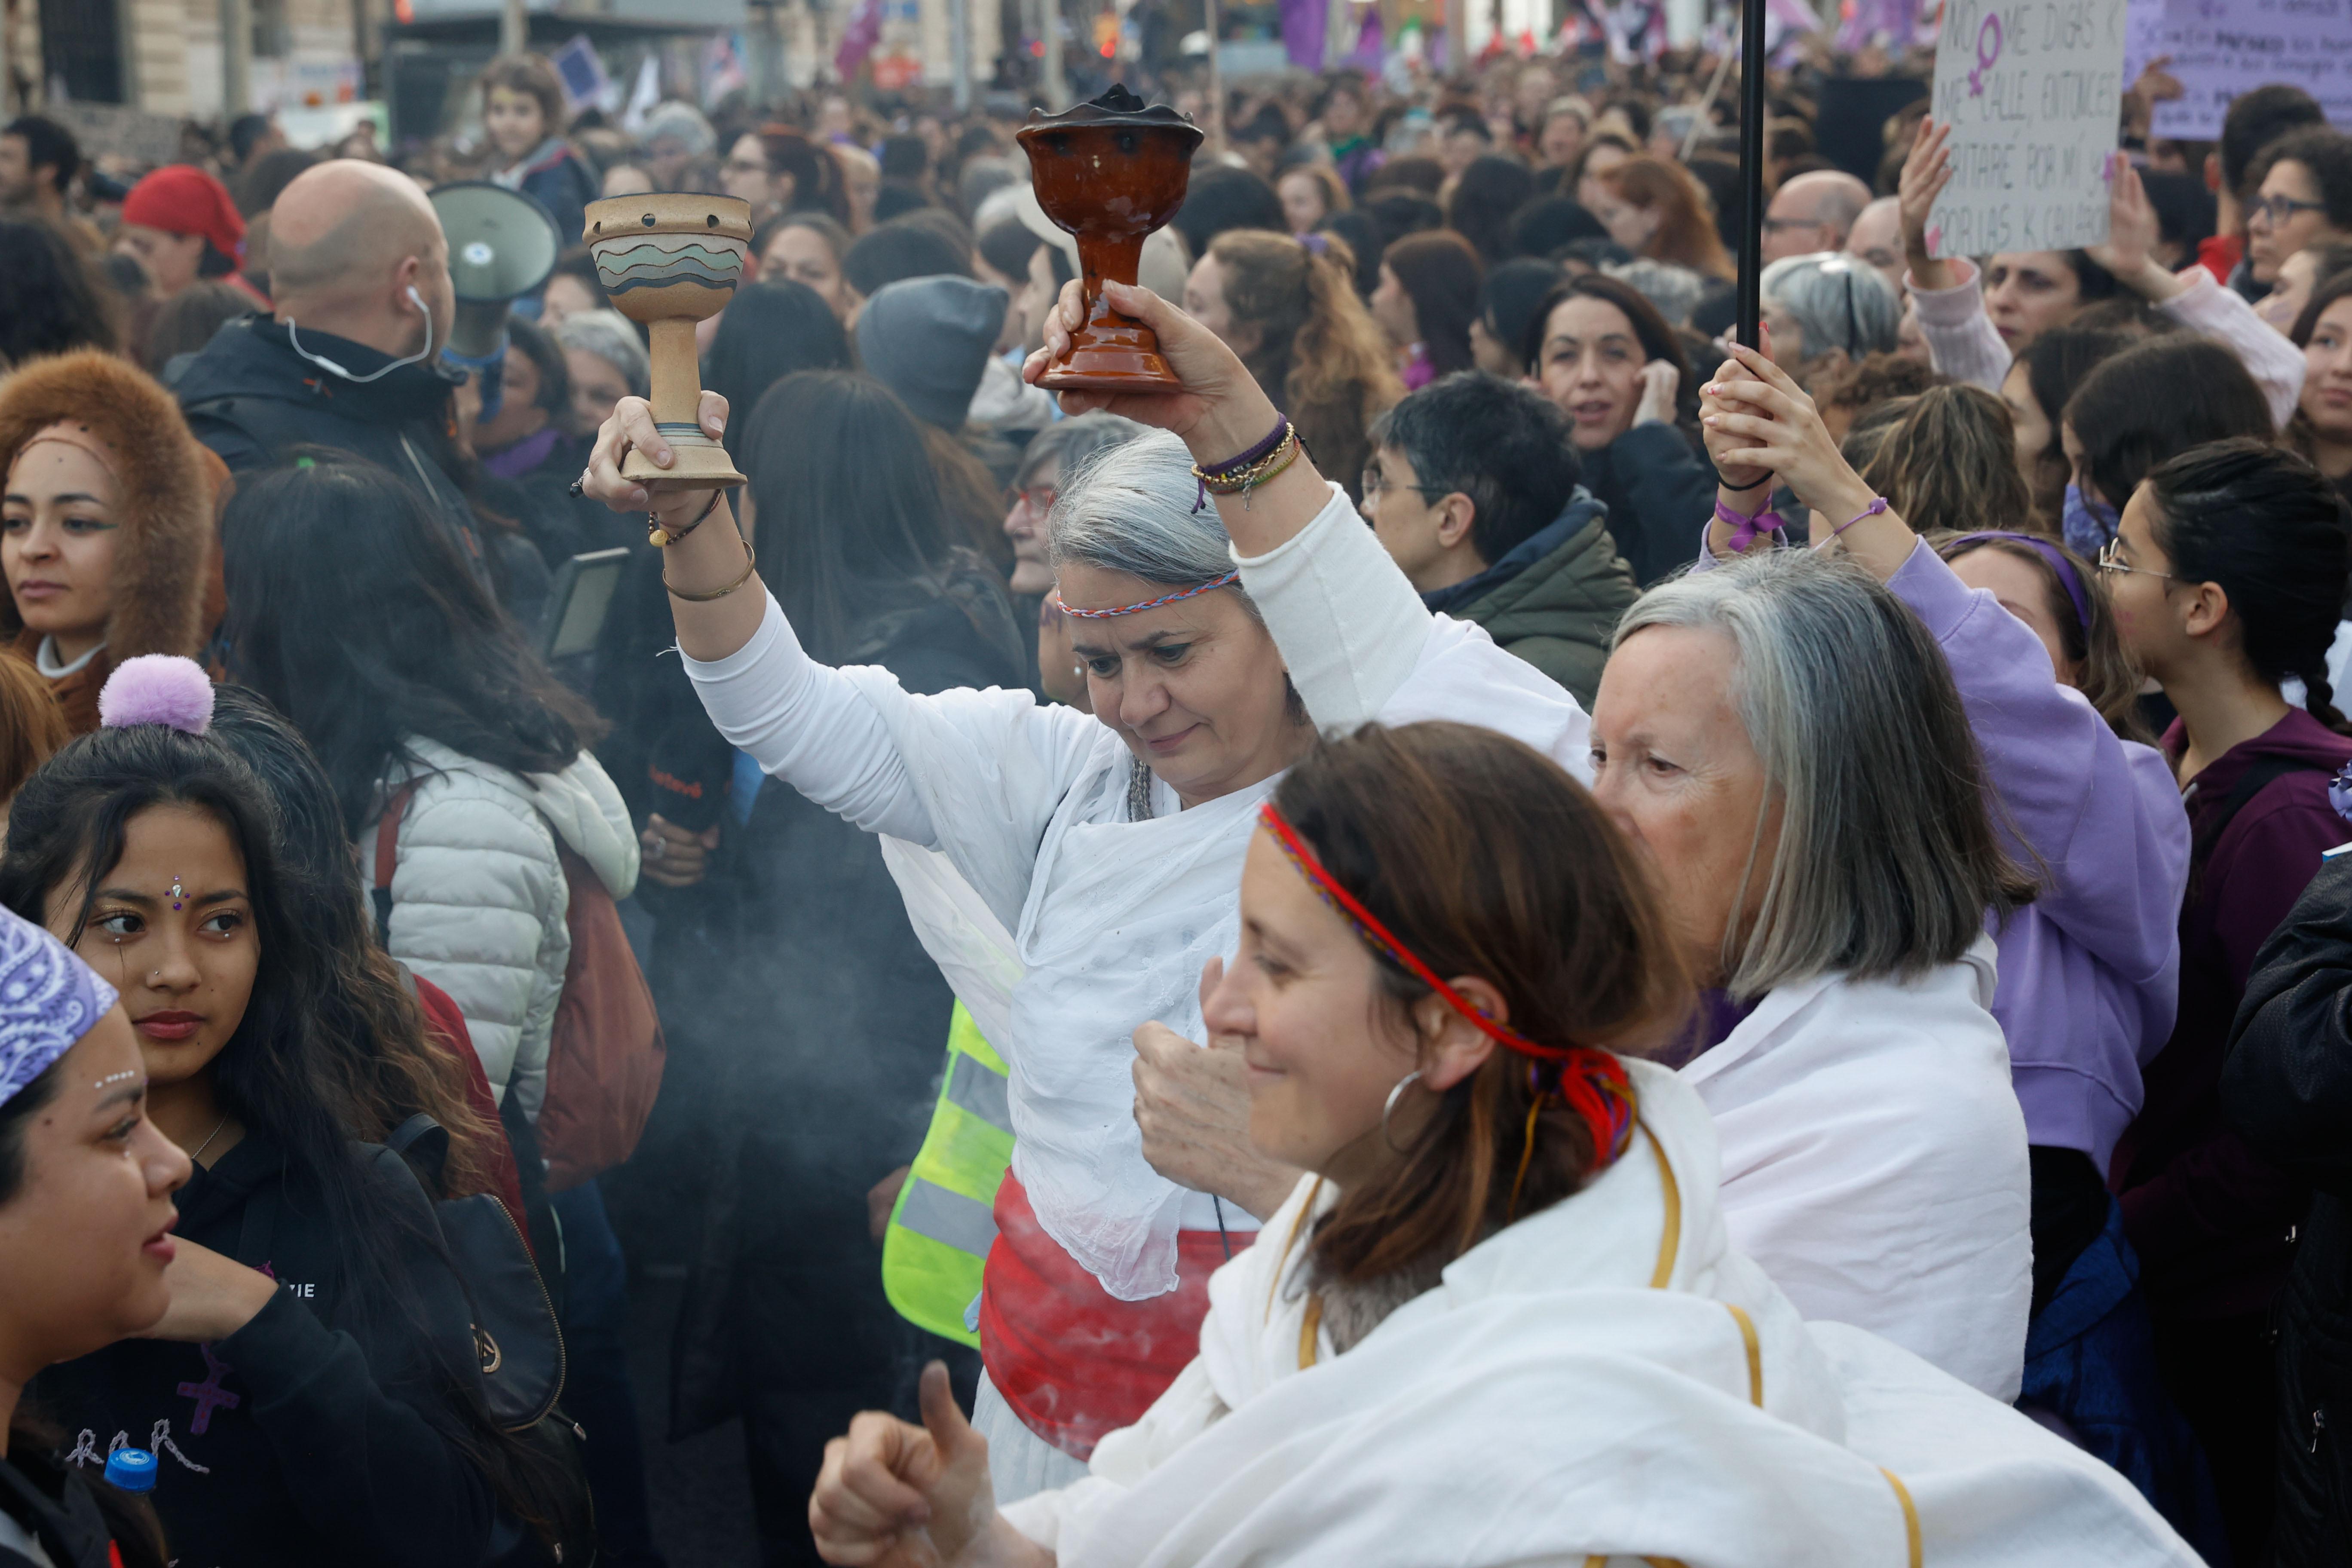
[(1873, 1161), (1606, 1381)]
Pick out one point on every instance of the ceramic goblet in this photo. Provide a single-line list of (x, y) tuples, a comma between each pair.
[(1108, 173), (671, 260)]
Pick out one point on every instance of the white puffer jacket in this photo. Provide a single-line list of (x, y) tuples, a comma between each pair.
[(478, 895)]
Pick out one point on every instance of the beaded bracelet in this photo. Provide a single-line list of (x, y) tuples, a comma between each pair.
[(1236, 476), (1255, 475), (662, 536)]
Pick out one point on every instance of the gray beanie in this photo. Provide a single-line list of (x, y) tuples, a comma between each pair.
[(927, 340)]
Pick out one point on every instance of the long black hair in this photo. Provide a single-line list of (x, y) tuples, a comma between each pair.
[(374, 1044), (2269, 529), (770, 331), (67, 829), (351, 610), (849, 506)]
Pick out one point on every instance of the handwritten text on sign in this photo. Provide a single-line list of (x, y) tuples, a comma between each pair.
[(2031, 90), (2221, 48)]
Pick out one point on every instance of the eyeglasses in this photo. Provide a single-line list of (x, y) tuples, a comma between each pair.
[(2111, 560), (747, 166), (1373, 482), (1039, 499), (2279, 210), (1775, 225)]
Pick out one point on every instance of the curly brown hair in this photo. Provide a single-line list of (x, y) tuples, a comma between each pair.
[(1320, 355)]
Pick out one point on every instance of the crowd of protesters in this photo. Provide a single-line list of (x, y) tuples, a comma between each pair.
[(1510, 931)]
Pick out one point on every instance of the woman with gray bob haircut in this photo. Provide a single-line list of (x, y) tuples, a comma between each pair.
[(1827, 303), (1784, 740)]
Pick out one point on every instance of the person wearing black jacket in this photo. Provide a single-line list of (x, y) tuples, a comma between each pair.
[(350, 360), (812, 1014), (2286, 1087), (312, 1394)]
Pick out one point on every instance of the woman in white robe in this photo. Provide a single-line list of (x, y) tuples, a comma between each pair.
[(1501, 1323), (1216, 639)]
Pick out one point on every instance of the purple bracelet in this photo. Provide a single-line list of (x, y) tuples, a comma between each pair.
[(1204, 472), (1877, 504), (1745, 530)]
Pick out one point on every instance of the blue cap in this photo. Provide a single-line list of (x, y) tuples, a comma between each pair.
[(131, 1470)]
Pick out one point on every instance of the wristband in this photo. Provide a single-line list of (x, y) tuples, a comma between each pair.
[(1235, 475), (1746, 530), (1877, 504)]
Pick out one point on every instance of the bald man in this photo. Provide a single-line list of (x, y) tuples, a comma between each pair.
[(1813, 212), (1876, 241), (351, 359)]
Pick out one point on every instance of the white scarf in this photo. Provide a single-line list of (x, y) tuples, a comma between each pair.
[(1606, 1381)]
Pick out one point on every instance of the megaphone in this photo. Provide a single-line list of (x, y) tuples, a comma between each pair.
[(502, 245)]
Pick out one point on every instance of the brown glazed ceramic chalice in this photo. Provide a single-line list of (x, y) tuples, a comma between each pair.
[(1109, 172), (669, 261)]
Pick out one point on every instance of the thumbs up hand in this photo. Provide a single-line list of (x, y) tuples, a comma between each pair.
[(895, 1495)]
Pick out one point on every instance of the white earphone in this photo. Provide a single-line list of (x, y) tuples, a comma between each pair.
[(323, 363)]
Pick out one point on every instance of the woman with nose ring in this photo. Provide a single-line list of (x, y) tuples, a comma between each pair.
[(1226, 602)]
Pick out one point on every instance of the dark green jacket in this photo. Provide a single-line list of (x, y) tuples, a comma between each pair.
[(1555, 600)]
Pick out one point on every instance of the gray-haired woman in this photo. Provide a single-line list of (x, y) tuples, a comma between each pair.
[(607, 361), (1784, 739), (1828, 303), (1216, 638)]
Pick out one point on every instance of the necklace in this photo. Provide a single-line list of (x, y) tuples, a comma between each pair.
[(207, 1143)]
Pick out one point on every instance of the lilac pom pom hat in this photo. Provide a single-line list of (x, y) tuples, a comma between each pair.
[(48, 999)]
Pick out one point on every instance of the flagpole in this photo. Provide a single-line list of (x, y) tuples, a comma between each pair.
[(1751, 169)]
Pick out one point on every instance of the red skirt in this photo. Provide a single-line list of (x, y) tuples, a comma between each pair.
[(1073, 1360)]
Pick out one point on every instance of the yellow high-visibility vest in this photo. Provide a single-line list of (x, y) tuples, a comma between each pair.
[(944, 1221)]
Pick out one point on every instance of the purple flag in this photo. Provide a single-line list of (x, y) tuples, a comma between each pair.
[(858, 37), (1303, 23)]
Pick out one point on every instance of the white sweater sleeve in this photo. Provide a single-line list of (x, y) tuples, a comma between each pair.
[(2222, 314), (1962, 342), (1349, 625), (809, 726)]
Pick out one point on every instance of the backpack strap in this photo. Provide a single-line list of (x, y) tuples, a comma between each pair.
[(387, 857), (2259, 775)]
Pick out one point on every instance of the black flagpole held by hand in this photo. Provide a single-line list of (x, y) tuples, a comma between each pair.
[(1751, 169)]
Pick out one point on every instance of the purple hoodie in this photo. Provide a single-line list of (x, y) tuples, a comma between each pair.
[(2088, 970)]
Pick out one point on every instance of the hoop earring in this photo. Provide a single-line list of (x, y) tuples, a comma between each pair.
[(1402, 1085)]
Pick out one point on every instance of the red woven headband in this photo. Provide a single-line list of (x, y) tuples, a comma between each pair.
[(1592, 1082)]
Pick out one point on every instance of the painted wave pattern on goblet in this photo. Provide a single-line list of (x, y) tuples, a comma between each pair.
[(663, 260)]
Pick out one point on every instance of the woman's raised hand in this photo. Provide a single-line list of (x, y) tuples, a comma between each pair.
[(1220, 410), (1753, 415), (895, 1495), (1659, 383), (2132, 234), (631, 428), (1927, 170)]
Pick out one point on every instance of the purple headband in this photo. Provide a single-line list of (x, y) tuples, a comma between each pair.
[(2067, 579), (48, 999)]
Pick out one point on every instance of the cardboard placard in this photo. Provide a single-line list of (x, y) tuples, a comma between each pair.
[(2221, 48), (2033, 91)]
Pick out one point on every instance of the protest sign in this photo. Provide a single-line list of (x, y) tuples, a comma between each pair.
[(109, 130), (2220, 49), (2032, 89)]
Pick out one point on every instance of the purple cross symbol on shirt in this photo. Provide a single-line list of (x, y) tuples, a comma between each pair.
[(209, 1393)]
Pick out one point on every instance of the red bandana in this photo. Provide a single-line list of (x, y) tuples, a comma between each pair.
[(1592, 1082)]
